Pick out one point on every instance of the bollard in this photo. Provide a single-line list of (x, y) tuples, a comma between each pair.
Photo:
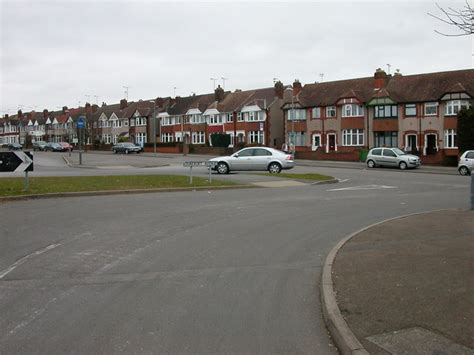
[(472, 188)]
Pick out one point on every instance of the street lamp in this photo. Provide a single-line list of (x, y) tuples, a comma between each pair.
[(154, 126), (292, 117)]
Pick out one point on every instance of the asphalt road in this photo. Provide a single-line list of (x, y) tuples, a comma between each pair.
[(234, 271)]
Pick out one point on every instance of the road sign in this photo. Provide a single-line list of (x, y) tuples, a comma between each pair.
[(80, 122), (16, 161), (199, 163)]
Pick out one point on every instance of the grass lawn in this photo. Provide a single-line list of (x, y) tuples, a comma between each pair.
[(312, 177), (44, 185)]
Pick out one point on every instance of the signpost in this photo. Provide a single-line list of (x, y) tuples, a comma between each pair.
[(17, 161), (80, 127), (206, 163)]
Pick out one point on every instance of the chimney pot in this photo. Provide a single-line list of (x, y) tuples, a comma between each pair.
[(279, 88), (219, 94), (296, 87)]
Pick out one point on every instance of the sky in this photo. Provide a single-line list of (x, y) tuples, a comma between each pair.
[(66, 53)]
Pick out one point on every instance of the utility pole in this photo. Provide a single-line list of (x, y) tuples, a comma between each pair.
[(388, 68), (154, 126), (174, 91), (321, 75)]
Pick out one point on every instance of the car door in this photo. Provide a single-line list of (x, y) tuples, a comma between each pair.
[(261, 158), (242, 160), (389, 158), (469, 160)]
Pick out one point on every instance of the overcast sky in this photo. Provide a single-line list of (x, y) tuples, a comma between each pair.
[(54, 53)]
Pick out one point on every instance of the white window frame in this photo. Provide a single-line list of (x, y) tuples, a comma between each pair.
[(431, 105), (298, 113), (198, 138), (353, 137), (352, 110), (450, 137), (316, 112), (452, 107), (255, 137), (331, 111)]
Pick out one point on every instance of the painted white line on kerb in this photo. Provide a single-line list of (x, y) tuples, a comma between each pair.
[(366, 187), (25, 258)]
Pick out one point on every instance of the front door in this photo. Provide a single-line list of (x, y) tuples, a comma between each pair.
[(431, 144), (332, 142), (316, 141), (411, 143)]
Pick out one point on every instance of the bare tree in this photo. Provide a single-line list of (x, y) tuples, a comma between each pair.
[(463, 19)]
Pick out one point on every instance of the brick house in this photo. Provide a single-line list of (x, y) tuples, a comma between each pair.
[(416, 113)]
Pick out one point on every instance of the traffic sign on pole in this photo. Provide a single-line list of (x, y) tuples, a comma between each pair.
[(80, 122), (16, 161)]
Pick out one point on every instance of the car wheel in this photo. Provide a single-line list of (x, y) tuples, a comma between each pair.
[(371, 164), (274, 168), (463, 171), (402, 165), (222, 168)]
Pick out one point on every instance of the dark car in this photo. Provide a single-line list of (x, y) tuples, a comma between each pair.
[(39, 145), (15, 146), (126, 148), (54, 147)]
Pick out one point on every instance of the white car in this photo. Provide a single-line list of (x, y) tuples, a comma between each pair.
[(466, 162), (254, 158)]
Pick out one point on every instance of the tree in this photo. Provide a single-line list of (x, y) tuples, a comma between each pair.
[(463, 19), (465, 130)]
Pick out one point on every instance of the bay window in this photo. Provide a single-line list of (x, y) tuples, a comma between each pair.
[(352, 110), (450, 139), (452, 107), (353, 137)]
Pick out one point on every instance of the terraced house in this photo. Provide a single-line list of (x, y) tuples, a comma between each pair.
[(417, 113)]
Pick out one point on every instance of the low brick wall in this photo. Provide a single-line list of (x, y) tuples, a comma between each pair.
[(320, 155), (212, 151)]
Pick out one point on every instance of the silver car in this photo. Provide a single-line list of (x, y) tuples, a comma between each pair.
[(466, 162), (392, 157), (254, 158)]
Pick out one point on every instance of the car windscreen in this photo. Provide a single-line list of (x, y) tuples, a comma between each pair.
[(399, 151)]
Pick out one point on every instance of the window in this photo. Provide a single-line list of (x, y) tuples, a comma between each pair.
[(230, 117), (239, 117), (166, 137), (351, 137), (450, 139), (255, 137), (297, 138), (214, 119), (140, 139), (386, 111), (331, 111), (376, 151), (352, 110), (246, 153), (410, 110), (454, 106), (259, 152), (316, 112), (431, 109), (297, 114), (389, 153), (198, 138), (386, 139)]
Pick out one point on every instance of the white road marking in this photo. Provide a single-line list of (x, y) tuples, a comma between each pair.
[(343, 180), (365, 187), (25, 258)]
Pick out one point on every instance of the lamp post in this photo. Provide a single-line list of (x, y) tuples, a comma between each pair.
[(292, 115), (154, 126)]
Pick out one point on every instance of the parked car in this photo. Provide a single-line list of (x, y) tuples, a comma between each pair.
[(15, 146), (392, 157), (466, 162), (54, 147), (66, 146), (254, 158), (126, 148), (39, 145)]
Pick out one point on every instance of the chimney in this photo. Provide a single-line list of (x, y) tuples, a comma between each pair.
[(380, 79), (279, 89), (64, 109), (104, 104), (6, 116), (20, 114), (88, 108), (95, 108), (45, 113), (397, 73), (159, 102), (123, 104), (219, 93), (296, 87)]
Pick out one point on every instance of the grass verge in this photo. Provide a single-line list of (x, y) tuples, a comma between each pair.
[(311, 177), (45, 185)]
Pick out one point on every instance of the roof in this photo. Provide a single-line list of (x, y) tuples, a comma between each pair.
[(410, 88)]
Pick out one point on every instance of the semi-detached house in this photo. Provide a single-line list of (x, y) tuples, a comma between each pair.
[(417, 113)]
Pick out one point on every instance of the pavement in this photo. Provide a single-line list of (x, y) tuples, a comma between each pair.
[(404, 286)]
